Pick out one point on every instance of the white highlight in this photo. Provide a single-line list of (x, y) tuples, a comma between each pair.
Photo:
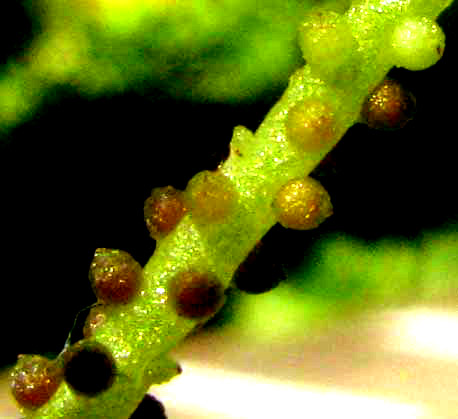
[(426, 333), (206, 393)]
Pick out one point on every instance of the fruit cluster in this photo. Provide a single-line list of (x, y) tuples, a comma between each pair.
[(206, 234)]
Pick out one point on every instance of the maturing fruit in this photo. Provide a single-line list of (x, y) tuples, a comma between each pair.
[(302, 204), (328, 45), (211, 196), (163, 210), (196, 294), (389, 106), (310, 125), (34, 380), (115, 276)]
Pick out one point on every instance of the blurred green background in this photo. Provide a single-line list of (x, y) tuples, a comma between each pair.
[(102, 100)]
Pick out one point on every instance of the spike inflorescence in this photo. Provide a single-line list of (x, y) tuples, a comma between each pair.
[(205, 233)]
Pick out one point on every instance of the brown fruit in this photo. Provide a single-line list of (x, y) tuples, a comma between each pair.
[(34, 380), (115, 276), (163, 210), (196, 295), (389, 106)]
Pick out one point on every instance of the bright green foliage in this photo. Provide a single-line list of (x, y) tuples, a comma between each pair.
[(232, 50), (343, 274)]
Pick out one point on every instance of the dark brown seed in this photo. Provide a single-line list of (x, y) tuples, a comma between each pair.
[(34, 380), (88, 368), (196, 295)]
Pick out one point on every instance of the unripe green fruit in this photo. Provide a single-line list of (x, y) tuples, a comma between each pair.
[(327, 45), (417, 43)]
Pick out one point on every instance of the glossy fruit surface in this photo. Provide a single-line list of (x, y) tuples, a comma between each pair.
[(302, 204), (115, 276), (389, 106), (163, 210), (196, 294), (34, 380)]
